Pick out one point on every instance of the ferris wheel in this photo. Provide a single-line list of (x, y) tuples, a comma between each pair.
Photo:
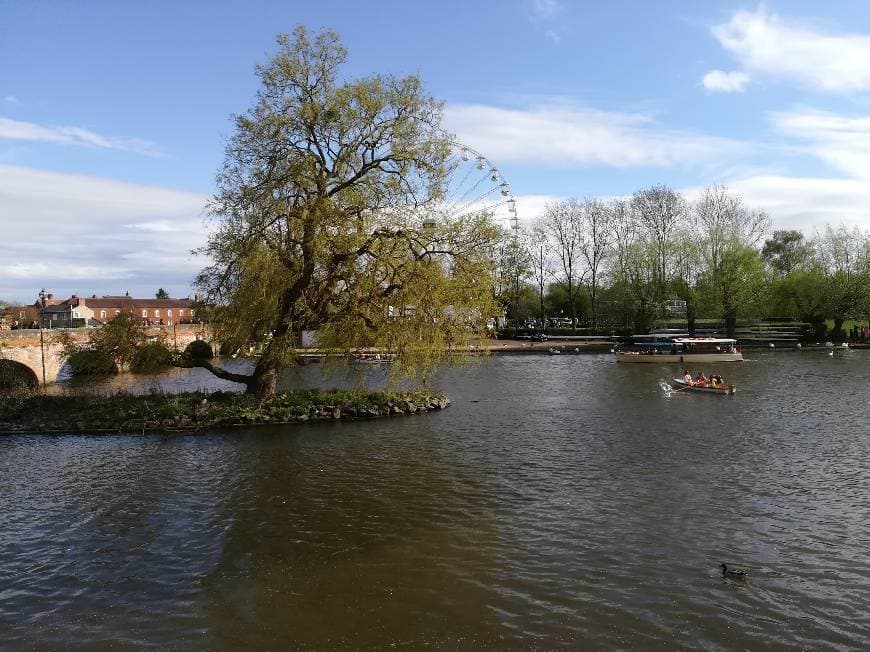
[(473, 186)]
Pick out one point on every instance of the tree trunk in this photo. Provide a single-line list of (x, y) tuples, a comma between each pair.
[(263, 383), (730, 325), (592, 301), (691, 317), (837, 334), (573, 302)]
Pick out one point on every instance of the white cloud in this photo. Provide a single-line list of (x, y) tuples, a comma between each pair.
[(546, 9), (73, 233), (720, 81), (765, 44), (841, 141), (531, 207), (553, 37), (19, 130), (807, 203), (565, 135), (10, 99)]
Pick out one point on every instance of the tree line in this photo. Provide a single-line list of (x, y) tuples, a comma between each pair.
[(630, 262)]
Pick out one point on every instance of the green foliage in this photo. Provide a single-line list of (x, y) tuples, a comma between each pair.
[(325, 204), (199, 350), (190, 410), (786, 251), (151, 357), (91, 362), (161, 294), (119, 338), (121, 343)]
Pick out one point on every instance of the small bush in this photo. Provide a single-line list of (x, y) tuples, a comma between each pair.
[(199, 350), (151, 358), (91, 362)]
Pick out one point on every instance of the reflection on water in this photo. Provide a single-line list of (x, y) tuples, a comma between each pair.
[(561, 501)]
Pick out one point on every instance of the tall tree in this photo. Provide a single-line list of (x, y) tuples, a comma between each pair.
[(161, 294), (595, 236), (785, 251), (327, 220), (562, 225), (633, 270), (543, 265), (728, 232), (659, 211), (513, 267), (843, 255)]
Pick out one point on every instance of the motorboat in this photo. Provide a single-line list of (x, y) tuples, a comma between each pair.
[(660, 349)]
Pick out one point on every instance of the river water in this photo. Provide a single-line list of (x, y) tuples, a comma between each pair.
[(562, 501)]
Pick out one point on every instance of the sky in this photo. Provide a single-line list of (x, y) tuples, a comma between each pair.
[(114, 115)]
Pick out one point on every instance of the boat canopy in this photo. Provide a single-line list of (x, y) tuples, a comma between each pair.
[(704, 340)]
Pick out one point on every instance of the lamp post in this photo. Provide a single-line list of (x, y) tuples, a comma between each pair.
[(41, 334)]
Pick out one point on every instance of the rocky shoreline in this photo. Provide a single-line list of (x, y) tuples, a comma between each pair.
[(196, 411)]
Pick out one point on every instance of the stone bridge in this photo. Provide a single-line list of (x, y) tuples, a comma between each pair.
[(22, 347)]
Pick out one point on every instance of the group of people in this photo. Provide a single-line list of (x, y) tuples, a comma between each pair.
[(715, 380)]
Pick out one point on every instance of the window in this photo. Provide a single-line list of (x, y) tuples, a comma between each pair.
[(169, 313), (170, 322), (157, 312), (102, 314), (181, 312), (145, 314)]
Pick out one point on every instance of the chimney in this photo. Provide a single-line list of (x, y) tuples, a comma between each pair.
[(93, 296), (127, 293)]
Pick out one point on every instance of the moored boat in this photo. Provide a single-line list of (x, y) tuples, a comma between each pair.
[(725, 389), (679, 349)]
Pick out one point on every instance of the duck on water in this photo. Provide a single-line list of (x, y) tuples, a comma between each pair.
[(732, 573)]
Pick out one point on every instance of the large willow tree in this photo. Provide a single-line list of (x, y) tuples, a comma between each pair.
[(328, 221)]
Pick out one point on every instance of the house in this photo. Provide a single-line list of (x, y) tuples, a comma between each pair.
[(166, 312), (95, 311), (19, 317)]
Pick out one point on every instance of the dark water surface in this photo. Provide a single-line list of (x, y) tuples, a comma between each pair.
[(560, 501)]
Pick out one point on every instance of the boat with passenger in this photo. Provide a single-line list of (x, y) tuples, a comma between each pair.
[(724, 389), (668, 348)]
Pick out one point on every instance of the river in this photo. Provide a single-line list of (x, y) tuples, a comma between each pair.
[(562, 501)]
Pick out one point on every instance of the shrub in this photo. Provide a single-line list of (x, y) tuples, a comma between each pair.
[(91, 362), (151, 358), (199, 350)]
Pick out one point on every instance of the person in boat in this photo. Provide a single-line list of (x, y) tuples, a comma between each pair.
[(701, 380), (714, 380), (687, 378)]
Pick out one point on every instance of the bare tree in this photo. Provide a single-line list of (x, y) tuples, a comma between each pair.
[(843, 255), (562, 224), (728, 233), (660, 211), (724, 221), (543, 265), (595, 237)]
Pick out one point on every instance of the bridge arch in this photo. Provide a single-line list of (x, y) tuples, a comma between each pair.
[(14, 374)]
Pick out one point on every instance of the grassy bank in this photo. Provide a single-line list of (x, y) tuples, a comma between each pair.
[(198, 410)]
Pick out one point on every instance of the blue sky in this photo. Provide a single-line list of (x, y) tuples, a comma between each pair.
[(113, 114)]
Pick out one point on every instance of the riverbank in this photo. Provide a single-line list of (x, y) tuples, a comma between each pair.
[(191, 411)]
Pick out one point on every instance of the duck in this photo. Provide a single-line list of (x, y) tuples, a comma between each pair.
[(727, 572)]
